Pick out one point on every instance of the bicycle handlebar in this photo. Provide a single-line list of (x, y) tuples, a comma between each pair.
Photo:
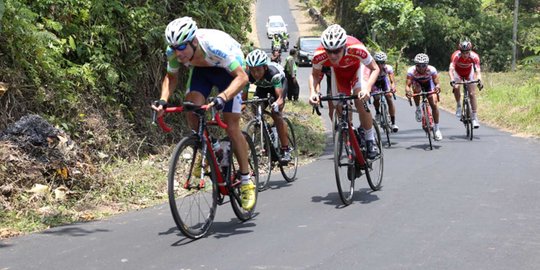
[(258, 100), (422, 93), (189, 107), (468, 82)]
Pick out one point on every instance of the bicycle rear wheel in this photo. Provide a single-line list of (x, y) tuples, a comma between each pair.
[(344, 165), (426, 122), (192, 192), (374, 167), (234, 180), (467, 119), (261, 141), (289, 170)]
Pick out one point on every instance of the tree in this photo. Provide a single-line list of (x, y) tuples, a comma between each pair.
[(395, 24)]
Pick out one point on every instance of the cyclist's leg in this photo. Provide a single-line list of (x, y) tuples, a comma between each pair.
[(198, 89), (457, 93)]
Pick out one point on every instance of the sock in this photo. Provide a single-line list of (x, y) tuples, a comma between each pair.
[(393, 119), (436, 127), (245, 178), (474, 116), (370, 134)]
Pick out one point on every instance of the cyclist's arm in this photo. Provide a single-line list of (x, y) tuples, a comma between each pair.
[(435, 78), (372, 77), (170, 82), (237, 85), (315, 81), (451, 71), (408, 85), (392, 81)]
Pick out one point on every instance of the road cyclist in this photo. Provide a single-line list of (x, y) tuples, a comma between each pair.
[(214, 59), (269, 77), (385, 83), (424, 76), (465, 66), (350, 63)]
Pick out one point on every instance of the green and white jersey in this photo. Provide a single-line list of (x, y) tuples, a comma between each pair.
[(220, 50)]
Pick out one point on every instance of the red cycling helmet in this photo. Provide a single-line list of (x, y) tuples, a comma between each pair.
[(465, 46)]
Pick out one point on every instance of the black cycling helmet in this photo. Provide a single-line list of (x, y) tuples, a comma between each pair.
[(465, 46), (292, 51)]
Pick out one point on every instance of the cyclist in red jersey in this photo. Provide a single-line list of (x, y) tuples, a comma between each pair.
[(465, 64), (353, 68)]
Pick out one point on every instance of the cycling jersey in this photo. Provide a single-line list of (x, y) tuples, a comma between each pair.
[(465, 67), (383, 81), (220, 50), (222, 54), (274, 77), (425, 80), (349, 73)]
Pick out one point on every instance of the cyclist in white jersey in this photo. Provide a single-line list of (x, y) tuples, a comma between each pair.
[(214, 59)]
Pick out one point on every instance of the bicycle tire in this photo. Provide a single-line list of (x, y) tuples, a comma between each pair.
[(261, 141), (385, 121), (289, 170), (468, 119), (234, 190), (344, 166), (427, 124), (335, 121), (193, 208), (375, 167)]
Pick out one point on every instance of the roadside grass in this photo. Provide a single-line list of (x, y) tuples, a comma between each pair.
[(509, 100), (125, 185)]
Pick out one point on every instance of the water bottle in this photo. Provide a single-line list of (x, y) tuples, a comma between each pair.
[(216, 145), (225, 147), (274, 136)]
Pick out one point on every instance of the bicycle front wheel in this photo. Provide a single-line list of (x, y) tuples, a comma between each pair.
[(234, 176), (344, 165), (467, 116), (261, 141), (426, 120), (289, 170), (375, 167), (385, 121), (191, 189)]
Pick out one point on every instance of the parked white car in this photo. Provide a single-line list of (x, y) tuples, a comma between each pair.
[(275, 24)]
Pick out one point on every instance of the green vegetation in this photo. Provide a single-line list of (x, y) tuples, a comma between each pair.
[(510, 100)]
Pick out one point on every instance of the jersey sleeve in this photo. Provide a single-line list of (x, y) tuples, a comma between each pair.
[(389, 69), (319, 57)]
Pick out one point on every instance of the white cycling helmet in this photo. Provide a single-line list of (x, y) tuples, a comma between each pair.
[(180, 30), (421, 58), (257, 58), (380, 57), (334, 37)]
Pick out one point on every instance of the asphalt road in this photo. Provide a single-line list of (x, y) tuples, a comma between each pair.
[(463, 205)]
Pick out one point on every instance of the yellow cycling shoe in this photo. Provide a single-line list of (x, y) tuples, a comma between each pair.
[(247, 195)]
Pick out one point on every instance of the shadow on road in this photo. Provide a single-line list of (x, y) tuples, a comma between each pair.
[(74, 231), (363, 196)]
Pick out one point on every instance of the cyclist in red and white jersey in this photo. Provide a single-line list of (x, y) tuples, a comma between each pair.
[(424, 75), (352, 68), (465, 64)]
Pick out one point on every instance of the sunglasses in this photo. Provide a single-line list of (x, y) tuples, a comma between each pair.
[(179, 47), (336, 51), (380, 62), (421, 65)]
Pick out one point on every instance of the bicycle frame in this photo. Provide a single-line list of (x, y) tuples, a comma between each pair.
[(203, 135), (346, 122), (259, 118)]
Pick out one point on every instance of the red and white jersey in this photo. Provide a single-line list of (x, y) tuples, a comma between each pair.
[(348, 72), (464, 66), (355, 54)]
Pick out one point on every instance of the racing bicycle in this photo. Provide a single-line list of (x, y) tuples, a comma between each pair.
[(350, 151), (198, 180), (263, 133), (466, 109)]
